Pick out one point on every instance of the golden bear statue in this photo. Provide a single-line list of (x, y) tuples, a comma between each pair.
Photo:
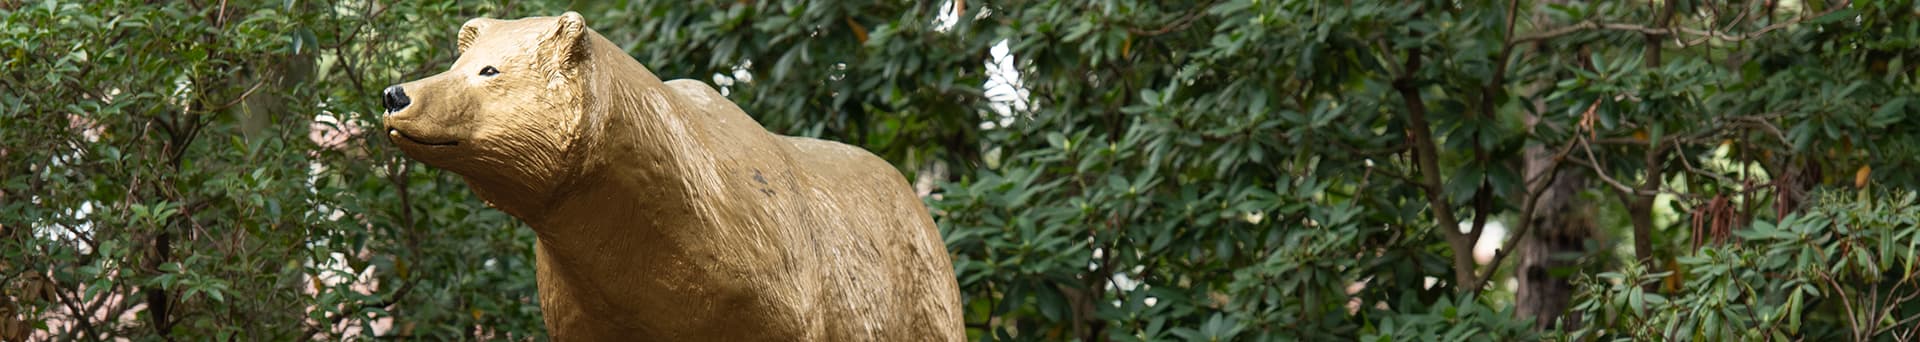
[(663, 211)]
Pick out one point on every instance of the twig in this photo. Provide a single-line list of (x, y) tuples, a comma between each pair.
[(1390, 173), (1643, 29), (390, 301), (236, 100), (1551, 174), (1684, 161), (1427, 158), (1593, 162), (1617, 186), (1763, 123), (82, 319), (1176, 24), (1888, 311), (1846, 303), (87, 238)]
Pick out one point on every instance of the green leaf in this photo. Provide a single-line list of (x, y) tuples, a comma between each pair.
[(1837, 15), (1891, 112)]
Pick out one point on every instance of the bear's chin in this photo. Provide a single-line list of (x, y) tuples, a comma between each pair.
[(446, 154), (402, 137)]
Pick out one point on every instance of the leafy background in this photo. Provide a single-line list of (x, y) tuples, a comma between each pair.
[(1120, 170)]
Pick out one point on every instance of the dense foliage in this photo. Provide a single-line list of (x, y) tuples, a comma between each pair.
[(161, 180), (1842, 270), (1120, 170)]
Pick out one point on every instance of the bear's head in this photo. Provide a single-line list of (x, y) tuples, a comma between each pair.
[(507, 112)]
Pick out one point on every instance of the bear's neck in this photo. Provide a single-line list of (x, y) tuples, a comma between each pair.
[(618, 160), (627, 215), (634, 169)]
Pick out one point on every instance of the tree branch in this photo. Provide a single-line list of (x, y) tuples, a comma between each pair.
[(1704, 35), (390, 301), (1178, 23), (1427, 158), (1535, 187)]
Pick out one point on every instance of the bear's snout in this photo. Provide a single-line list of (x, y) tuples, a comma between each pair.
[(426, 124), (395, 98)]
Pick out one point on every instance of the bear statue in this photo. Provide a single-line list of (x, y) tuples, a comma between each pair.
[(663, 211)]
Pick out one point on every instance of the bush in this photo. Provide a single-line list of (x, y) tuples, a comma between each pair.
[(1841, 270), (1117, 170)]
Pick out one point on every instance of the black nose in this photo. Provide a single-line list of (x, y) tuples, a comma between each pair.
[(396, 99)]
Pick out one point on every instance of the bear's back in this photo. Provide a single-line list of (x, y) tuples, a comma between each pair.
[(881, 258), (877, 207)]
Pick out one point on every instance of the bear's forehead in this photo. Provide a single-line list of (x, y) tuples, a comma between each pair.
[(513, 35)]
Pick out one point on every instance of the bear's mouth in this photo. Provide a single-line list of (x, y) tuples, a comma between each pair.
[(409, 138)]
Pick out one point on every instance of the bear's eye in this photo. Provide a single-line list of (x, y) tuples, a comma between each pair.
[(489, 71)]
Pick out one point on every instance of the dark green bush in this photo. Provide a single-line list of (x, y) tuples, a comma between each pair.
[(1119, 170)]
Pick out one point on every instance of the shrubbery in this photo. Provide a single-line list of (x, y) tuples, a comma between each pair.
[(1117, 170)]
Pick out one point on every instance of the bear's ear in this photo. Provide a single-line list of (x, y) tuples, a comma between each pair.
[(567, 44), (469, 32)]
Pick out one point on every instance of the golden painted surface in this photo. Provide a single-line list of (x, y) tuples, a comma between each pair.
[(663, 211)]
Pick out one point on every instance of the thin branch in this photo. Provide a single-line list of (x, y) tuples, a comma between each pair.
[(87, 238), (1704, 35), (236, 100), (1894, 304), (1176, 24), (1593, 162), (1846, 303), (1690, 140), (390, 301), (1483, 194), (1551, 174), (1427, 158), (1762, 122), (1684, 161), (1390, 173), (83, 319), (1513, 7)]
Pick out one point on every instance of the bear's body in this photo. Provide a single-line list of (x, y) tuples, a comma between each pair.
[(664, 212)]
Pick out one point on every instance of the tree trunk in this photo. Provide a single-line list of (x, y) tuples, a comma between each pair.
[(1561, 225)]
